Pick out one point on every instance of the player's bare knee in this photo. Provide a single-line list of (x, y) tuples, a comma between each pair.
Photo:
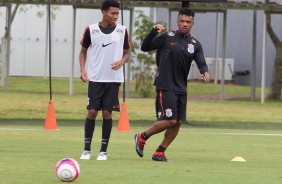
[(172, 122)]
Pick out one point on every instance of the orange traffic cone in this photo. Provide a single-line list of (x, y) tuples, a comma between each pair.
[(123, 123), (50, 122)]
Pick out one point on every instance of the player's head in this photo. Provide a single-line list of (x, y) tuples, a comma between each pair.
[(185, 20), (110, 11), (109, 3), (186, 11)]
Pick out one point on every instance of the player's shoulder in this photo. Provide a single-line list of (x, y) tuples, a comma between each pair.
[(121, 29), (121, 26), (171, 32), (94, 25), (194, 40), (86, 28)]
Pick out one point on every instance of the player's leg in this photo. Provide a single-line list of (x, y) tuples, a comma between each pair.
[(89, 129), (171, 132), (106, 133), (93, 107), (110, 103), (165, 108), (169, 136), (157, 127)]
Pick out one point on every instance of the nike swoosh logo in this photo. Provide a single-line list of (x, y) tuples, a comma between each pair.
[(105, 45)]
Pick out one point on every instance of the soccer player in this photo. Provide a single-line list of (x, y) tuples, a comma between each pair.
[(108, 45), (176, 51)]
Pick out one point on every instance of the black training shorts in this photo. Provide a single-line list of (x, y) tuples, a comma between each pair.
[(171, 106), (103, 96)]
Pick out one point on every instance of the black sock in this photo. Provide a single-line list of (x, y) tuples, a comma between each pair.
[(106, 133), (144, 136), (161, 149), (88, 133)]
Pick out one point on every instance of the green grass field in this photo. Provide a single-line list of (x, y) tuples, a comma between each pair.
[(217, 132), (198, 155)]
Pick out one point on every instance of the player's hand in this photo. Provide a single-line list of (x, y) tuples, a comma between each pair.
[(83, 77), (116, 65), (159, 27), (206, 76)]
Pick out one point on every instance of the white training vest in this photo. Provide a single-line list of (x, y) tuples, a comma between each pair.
[(104, 50)]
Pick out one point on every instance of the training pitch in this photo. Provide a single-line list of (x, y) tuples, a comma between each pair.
[(199, 155)]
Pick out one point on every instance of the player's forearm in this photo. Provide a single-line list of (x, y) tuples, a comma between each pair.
[(147, 43), (82, 61), (125, 56)]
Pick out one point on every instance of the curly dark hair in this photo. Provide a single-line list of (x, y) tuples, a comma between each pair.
[(186, 11), (109, 3)]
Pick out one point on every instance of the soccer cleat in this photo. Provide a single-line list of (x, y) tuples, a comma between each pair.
[(85, 155), (139, 144), (159, 156), (102, 156)]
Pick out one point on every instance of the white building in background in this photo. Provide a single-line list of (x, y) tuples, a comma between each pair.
[(28, 48), (28, 44)]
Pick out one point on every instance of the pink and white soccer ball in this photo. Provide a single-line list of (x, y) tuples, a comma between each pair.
[(67, 169)]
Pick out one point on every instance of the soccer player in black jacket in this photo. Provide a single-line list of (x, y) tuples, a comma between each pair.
[(176, 51)]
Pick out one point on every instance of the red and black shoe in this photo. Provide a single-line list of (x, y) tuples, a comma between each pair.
[(159, 156), (139, 144)]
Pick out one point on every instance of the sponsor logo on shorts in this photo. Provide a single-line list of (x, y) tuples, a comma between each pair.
[(115, 107)]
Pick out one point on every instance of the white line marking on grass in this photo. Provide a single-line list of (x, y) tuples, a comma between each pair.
[(249, 134), (233, 133), (14, 129)]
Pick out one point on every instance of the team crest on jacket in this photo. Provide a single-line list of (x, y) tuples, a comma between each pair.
[(191, 48), (171, 33), (168, 113)]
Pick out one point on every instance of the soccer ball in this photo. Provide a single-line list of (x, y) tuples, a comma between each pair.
[(67, 169)]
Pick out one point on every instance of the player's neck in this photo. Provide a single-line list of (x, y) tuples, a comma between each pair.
[(185, 35), (106, 24)]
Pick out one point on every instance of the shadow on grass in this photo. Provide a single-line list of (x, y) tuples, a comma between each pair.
[(147, 123)]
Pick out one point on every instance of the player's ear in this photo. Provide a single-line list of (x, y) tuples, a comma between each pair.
[(103, 12)]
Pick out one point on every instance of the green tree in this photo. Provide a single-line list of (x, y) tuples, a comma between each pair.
[(144, 65)]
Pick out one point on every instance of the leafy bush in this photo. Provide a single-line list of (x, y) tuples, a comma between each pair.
[(144, 65)]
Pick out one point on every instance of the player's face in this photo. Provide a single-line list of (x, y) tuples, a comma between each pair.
[(185, 23), (110, 16)]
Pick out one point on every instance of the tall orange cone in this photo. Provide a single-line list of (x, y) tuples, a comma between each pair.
[(50, 122), (123, 123)]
